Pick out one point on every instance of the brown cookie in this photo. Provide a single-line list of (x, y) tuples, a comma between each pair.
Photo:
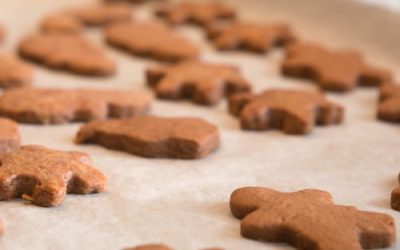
[(333, 70), (395, 198), (250, 36), (55, 106), (204, 83), (9, 135), (61, 23), (389, 103), (45, 176), (159, 247), (13, 72), (2, 32), (295, 112), (201, 13), (68, 52), (152, 40), (309, 219), (151, 136)]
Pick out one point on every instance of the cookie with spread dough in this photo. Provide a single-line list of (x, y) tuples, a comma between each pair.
[(201, 13), (152, 40), (255, 37), (332, 70), (56, 106), (309, 219), (204, 83), (44, 176), (389, 103), (14, 72), (9, 135), (153, 137), (68, 52), (293, 111)]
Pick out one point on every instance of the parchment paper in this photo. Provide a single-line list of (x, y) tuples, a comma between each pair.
[(185, 203)]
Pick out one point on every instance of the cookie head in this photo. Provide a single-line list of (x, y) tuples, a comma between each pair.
[(56, 106), (204, 83), (201, 13), (102, 14), (255, 37), (333, 70), (308, 219), (67, 52), (154, 137), (152, 40), (295, 112), (44, 176)]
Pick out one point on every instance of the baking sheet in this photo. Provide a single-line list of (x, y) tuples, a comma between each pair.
[(185, 203)]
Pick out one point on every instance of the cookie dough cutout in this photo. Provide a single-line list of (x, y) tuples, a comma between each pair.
[(255, 37), (308, 219), (14, 72), (294, 112), (389, 103), (204, 83), (333, 70), (152, 40), (153, 137), (200, 13), (67, 52), (56, 106), (9, 135), (44, 176)]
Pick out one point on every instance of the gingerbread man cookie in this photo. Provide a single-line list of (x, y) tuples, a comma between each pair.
[(55, 106), (250, 36), (204, 83), (44, 176), (9, 135), (395, 198), (201, 13), (295, 112), (152, 40), (14, 73), (333, 70), (68, 52), (389, 103), (151, 136), (309, 219)]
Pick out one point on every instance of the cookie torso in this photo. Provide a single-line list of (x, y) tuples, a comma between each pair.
[(151, 136), (201, 13), (295, 112), (9, 135), (67, 51), (33, 105), (204, 83), (152, 40), (44, 176), (332, 70), (14, 73)]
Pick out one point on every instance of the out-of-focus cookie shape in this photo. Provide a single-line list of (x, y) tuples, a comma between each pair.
[(389, 103), (150, 39), (73, 20), (44, 176), (395, 198), (2, 32), (255, 37), (204, 83), (153, 137), (68, 52), (201, 13), (294, 112), (308, 219), (56, 106), (334, 70), (160, 247), (9, 135), (14, 72)]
